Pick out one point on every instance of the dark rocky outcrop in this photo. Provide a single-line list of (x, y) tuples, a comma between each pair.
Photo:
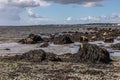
[(31, 39), (91, 53), (116, 46), (62, 39)]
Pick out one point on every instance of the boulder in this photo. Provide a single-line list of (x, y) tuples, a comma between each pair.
[(31, 39), (115, 46), (62, 39), (91, 53)]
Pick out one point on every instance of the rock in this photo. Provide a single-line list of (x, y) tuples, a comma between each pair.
[(105, 34), (91, 53), (45, 44), (66, 57), (31, 39), (93, 38), (116, 46), (118, 37), (34, 56), (83, 39), (62, 39), (6, 49), (109, 40), (52, 57)]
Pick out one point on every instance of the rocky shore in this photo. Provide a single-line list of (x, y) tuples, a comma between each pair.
[(50, 70), (90, 62)]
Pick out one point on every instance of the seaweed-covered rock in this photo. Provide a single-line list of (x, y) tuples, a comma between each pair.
[(109, 40), (52, 57), (66, 57), (31, 39), (91, 53), (34, 56), (45, 44), (62, 39), (116, 46)]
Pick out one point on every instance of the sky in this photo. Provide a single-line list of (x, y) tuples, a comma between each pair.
[(36, 12)]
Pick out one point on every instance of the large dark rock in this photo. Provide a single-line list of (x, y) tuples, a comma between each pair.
[(116, 46), (91, 53), (34, 56), (62, 39), (31, 39)]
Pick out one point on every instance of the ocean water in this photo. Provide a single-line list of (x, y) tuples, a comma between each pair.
[(107, 46), (17, 48), (10, 35)]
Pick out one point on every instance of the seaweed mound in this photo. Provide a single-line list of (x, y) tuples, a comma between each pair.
[(37, 56), (116, 46), (91, 53), (62, 39), (31, 39), (34, 55)]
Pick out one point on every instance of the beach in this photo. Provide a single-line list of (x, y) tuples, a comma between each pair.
[(50, 70)]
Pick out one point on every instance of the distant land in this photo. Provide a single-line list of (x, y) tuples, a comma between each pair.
[(63, 25)]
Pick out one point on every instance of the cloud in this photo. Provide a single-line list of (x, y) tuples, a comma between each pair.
[(31, 14), (69, 19), (10, 10), (107, 18), (85, 3)]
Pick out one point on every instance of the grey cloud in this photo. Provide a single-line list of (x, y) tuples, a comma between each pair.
[(10, 10), (86, 3)]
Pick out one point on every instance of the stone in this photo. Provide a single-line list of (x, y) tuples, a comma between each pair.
[(91, 53), (62, 39)]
